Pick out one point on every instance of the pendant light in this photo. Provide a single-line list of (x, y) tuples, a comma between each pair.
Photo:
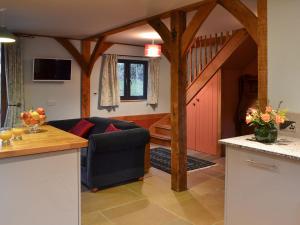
[(5, 35), (152, 50)]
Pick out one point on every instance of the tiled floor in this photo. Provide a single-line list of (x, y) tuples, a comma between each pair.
[(152, 202)]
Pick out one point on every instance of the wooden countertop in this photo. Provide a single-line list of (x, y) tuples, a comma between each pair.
[(50, 139)]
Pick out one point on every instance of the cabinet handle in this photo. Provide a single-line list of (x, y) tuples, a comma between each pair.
[(197, 99), (194, 104), (261, 165)]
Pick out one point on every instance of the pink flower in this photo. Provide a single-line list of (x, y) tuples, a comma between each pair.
[(268, 109), (249, 119), (266, 117), (279, 119)]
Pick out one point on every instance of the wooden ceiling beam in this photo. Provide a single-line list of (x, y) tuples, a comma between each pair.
[(67, 44), (196, 22), (144, 21), (243, 14), (166, 53), (162, 30), (100, 47)]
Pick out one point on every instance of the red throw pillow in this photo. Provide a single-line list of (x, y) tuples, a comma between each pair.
[(82, 128), (111, 128)]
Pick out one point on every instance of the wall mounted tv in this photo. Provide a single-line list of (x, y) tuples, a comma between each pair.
[(51, 69)]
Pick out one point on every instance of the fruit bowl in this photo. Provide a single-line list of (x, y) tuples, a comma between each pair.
[(33, 119)]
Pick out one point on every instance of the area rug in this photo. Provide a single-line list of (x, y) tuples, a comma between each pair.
[(161, 159)]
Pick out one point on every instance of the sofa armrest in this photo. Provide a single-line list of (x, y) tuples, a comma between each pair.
[(118, 140)]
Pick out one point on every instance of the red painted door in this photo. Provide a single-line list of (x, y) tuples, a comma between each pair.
[(206, 117), (191, 125)]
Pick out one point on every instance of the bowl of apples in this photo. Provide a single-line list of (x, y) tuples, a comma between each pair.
[(33, 119)]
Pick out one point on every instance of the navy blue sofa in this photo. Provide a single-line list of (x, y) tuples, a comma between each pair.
[(110, 158)]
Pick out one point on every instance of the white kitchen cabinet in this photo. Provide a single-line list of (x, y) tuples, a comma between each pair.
[(261, 188)]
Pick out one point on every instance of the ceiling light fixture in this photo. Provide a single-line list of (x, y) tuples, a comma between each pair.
[(5, 35), (152, 50)]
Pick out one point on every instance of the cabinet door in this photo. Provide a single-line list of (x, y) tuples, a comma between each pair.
[(261, 189), (191, 125), (207, 117)]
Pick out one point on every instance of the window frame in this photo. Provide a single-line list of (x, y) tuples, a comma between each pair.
[(127, 84)]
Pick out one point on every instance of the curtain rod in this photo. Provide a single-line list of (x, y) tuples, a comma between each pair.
[(134, 56)]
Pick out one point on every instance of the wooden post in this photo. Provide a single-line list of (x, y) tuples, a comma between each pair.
[(262, 54), (85, 81), (178, 106)]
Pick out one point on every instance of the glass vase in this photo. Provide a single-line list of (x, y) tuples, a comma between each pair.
[(266, 134)]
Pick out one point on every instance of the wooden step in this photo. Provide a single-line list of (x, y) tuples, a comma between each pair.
[(164, 129), (160, 139)]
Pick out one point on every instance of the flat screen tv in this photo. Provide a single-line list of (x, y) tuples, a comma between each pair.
[(51, 69)]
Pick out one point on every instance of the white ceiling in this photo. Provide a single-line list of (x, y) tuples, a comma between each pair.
[(82, 18)]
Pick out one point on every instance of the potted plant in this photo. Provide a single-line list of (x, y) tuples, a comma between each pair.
[(266, 122)]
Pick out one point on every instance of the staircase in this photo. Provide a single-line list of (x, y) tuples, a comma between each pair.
[(161, 132), (205, 57)]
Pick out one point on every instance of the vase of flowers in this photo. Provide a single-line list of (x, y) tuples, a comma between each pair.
[(266, 122)]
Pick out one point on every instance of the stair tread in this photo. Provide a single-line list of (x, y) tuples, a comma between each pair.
[(160, 136), (164, 126)]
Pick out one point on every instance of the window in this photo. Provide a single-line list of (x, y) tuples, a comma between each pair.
[(133, 78)]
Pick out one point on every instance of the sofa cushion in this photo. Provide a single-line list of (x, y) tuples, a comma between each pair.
[(82, 128), (111, 128)]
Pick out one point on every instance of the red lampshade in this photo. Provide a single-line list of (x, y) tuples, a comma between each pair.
[(152, 50)]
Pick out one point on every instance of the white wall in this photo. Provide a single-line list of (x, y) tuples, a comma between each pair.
[(283, 53), (62, 100), (64, 97)]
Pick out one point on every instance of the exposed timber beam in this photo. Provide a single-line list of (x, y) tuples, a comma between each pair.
[(100, 47), (243, 14), (178, 106), (85, 81), (166, 53), (162, 30), (196, 22), (67, 44), (262, 53), (144, 21)]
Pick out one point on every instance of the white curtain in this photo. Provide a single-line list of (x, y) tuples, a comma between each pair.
[(153, 81), (109, 96), (14, 83)]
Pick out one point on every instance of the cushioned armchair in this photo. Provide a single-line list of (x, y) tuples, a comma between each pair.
[(111, 158)]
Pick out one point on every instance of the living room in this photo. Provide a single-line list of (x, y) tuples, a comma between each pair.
[(149, 113)]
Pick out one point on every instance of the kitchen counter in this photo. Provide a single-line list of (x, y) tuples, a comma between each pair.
[(262, 181), (50, 139), (40, 179), (285, 146)]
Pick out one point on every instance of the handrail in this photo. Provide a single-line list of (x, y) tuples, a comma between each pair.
[(202, 51)]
